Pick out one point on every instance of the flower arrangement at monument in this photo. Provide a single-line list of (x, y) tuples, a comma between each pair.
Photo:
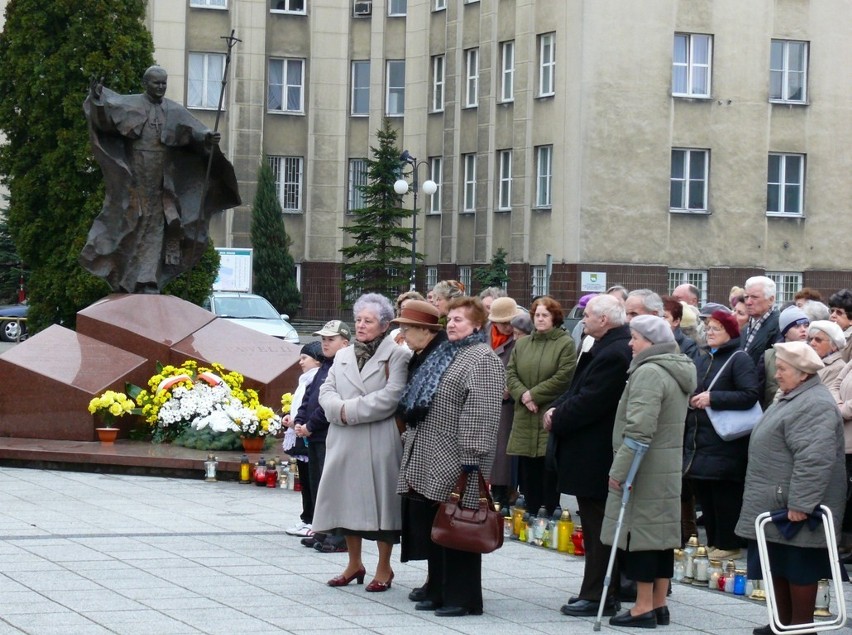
[(111, 405)]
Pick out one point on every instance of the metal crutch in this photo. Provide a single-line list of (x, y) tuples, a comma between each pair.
[(639, 450), (834, 559)]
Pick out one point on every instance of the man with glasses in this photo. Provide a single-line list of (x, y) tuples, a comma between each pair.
[(762, 328)]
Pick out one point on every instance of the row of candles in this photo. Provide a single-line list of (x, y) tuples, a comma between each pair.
[(263, 473), (558, 532)]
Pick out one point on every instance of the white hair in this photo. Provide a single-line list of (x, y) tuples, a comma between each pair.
[(609, 306), (816, 310), (375, 303), (651, 301), (768, 285)]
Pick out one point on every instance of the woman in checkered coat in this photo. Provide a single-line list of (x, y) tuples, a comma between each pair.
[(451, 407)]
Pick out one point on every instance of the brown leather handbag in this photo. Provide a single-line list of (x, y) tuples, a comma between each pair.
[(477, 530)]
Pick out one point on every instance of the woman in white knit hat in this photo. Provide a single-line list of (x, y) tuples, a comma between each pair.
[(827, 339)]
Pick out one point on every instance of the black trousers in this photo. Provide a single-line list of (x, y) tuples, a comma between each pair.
[(720, 502), (455, 577), (316, 457), (597, 553), (538, 484), (308, 499)]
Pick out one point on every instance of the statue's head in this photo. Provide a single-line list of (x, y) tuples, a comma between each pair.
[(155, 80)]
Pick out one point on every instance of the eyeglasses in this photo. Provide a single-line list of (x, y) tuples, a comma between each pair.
[(715, 329), (836, 311), (817, 339)]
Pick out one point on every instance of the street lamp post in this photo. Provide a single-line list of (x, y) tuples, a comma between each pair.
[(401, 188)]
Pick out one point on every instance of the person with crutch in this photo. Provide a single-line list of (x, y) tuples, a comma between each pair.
[(644, 521)]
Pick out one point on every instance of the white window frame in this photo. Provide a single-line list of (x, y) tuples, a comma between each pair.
[(285, 87), (783, 74), (286, 6), (440, 5), (431, 277), (465, 275), (687, 180), (206, 87), (688, 69), (358, 176), (397, 8), (504, 181), (788, 178), (469, 183), (696, 277), (787, 285), (471, 65), (359, 90), (208, 4), (540, 284), (438, 82), (507, 71), (544, 176), (436, 168), (394, 91), (546, 64), (289, 176)]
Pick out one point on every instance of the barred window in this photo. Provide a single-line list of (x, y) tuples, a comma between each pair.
[(787, 284), (357, 181), (697, 279), (288, 182)]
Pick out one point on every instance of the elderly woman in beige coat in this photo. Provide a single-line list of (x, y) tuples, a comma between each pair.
[(827, 339), (651, 411), (357, 493)]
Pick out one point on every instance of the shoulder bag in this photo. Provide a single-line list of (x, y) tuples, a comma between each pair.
[(733, 424), (477, 530)]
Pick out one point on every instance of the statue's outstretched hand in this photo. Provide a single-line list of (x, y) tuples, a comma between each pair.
[(96, 87), (212, 138)]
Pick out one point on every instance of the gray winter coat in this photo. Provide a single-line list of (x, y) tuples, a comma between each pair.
[(796, 461), (652, 410)]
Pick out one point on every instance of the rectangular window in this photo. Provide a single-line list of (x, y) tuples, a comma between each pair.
[(546, 64), (785, 184), (787, 285), (438, 83), (209, 4), (357, 181), (288, 182), (204, 79), (287, 6), (471, 78), (788, 71), (507, 71), (431, 277), (440, 5), (436, 167), (544, 176), (697, 279), (504, 193), (361, 87), (397, 7), (469, 163), (690, 169), (286, 85), (465, 275), (395, 98), (691, 65), (540, 282)]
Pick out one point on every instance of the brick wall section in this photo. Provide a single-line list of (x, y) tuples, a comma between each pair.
[(721, 279), (827, 282), (321, 291)]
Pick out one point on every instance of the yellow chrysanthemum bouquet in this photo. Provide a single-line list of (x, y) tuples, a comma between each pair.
[(111, 405)]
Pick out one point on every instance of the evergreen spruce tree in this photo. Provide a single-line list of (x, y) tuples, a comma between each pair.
[(11, 268), (49, 53), (273, 266), (378, 260), (494, 275)]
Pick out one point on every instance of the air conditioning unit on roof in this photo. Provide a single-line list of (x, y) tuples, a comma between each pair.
[(364, 7)]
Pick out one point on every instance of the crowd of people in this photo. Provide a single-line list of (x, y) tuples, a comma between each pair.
[(437, 386)]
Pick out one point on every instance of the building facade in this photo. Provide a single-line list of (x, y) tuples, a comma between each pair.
[(598, 143)]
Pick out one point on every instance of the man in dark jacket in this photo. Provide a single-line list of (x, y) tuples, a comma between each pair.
[(761, 332), (581, 423)]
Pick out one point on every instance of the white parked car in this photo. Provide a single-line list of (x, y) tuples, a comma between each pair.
[(252, 311)]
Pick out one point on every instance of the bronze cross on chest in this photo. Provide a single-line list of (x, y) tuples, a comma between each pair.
[(154, 120)]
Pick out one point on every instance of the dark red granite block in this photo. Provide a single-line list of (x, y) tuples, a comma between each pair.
[(49, 380)]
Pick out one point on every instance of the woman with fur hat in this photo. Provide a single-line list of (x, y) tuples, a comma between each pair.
[(716, 468), (795, 464)]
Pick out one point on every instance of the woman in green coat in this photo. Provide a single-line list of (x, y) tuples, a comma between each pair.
[(540, 370), (651, 411)]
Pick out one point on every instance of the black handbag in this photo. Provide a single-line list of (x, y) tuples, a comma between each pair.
[(478, 530)]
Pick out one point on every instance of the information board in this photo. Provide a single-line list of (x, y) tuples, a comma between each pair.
[(234, 270)]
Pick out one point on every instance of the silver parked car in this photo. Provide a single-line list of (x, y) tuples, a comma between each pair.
[(252, 311)]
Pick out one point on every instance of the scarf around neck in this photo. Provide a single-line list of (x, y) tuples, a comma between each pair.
[(418, 394), (365, 350)]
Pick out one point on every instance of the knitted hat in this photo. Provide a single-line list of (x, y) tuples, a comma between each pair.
[(522, 322), (790, 317), (585, 300), (800, 356), (831, 329), (728, 321), (313, 349), (419, 313), (690, 316), (503, 310), (654, 329)]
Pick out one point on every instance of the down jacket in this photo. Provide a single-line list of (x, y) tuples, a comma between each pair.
[(652, 411), (705, 454), (542, 363), (796, 461)]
